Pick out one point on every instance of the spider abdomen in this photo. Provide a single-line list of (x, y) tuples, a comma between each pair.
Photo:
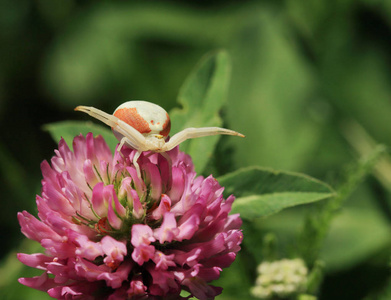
[(147, 118)]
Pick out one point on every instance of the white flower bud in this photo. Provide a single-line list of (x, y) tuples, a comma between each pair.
[(282, 278)]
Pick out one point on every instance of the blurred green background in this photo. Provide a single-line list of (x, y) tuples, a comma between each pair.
[(310, 89)]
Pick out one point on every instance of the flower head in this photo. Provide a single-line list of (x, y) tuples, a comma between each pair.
[(281, 279), (110, 235)]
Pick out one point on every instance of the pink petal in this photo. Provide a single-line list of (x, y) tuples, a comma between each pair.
[(85, 248), (99, 203), (114, 251), (91, 178), (116, 278), (63, 270), (35, 229), (58, 249), (188, 197), (141, 234), (143, 253), (104, 170), (221, 261), (119, 209), (138, 209), (89, 270), (140, 186), (164, 206), (163, 282), (178, 184), (79, 148), (80, 290), (168, 231), (137, 287), (163, 261), (42, 283), (36, 260), (233, 222), (114, 220), (189, 223), (101, 149), (153, 178)]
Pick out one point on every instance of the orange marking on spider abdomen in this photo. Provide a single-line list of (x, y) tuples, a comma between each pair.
[(166, 127), (132, 118)]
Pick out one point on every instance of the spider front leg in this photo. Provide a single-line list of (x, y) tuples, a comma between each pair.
[(135, 157), (191, 133), (121, 144), (125, 133), (133, 138), (136, 165)]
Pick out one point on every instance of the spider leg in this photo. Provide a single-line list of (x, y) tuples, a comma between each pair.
[(121, 143), (130, 135), (98, 114), (133, 137), (191, 133), (136, 165)]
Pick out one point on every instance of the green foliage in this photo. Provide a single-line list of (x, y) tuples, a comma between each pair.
[(11, 269), (236, 287), (202, 96), (262, 192), (315, 278), (366, 229), (317, 225), (302, 72), (69, 129)]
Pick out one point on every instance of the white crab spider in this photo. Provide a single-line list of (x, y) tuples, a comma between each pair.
[(144, 126)]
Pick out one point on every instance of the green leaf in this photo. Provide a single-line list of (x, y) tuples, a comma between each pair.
[(202, 96), (69, 129), (261, 192), (11, 269), (264, 205), (272, 104), (355, 235)]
